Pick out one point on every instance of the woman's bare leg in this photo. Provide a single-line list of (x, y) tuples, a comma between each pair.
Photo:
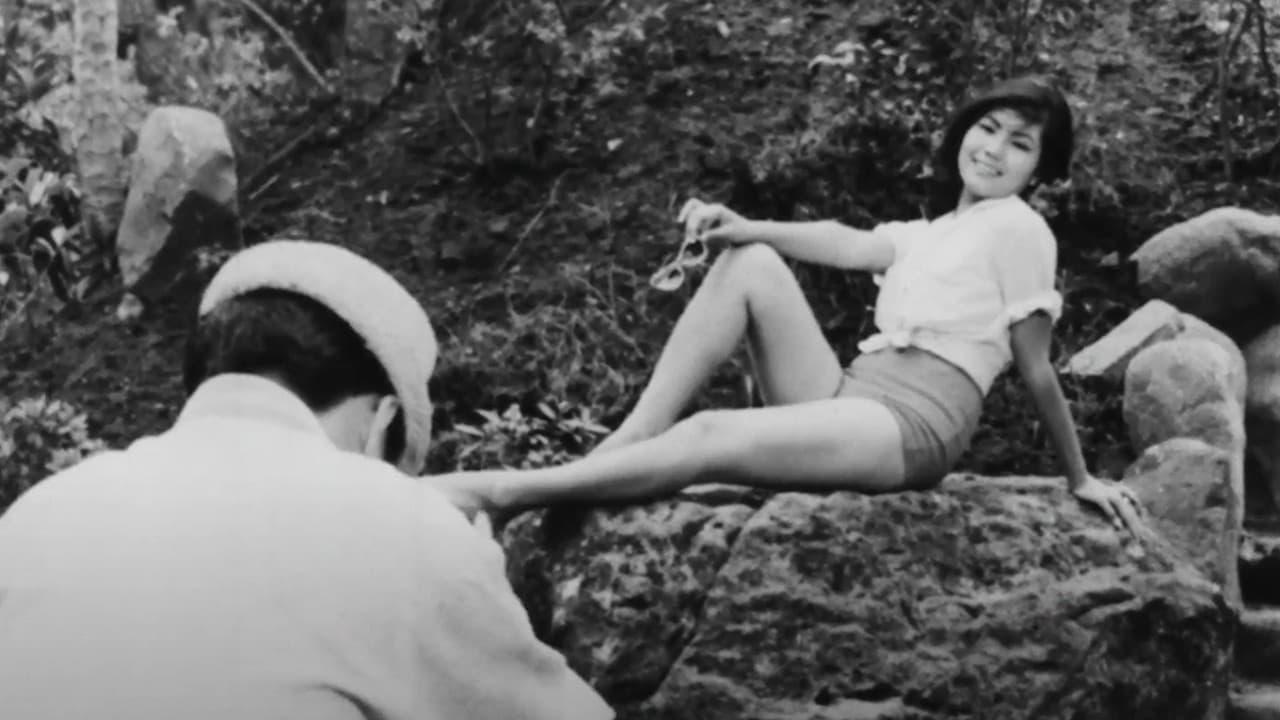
[(838, 444), (749, 292)]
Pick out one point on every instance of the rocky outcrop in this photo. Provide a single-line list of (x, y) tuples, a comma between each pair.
[(182, 197), (1222, 266), (1194, 499), (1157, 321), (1262, 408), (1182, 388), (981, 599)]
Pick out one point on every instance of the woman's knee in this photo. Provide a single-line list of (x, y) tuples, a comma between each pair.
[(706, 441), (757, 262)]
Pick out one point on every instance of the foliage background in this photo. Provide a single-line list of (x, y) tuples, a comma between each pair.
[(523, 175)]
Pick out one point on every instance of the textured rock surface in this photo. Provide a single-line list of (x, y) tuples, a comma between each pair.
[(1262, 408), (1182, 388), (1154, 322), (1196, 502), (182, 197), (1110, 355), (1223, 266), (982, 599)]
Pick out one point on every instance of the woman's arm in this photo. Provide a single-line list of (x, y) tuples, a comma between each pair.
[(1030, 339), (824, 242)]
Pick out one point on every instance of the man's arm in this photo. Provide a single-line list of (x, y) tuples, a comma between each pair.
[(480, 657)]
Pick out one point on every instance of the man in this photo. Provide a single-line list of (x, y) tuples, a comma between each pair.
[(264, 558)]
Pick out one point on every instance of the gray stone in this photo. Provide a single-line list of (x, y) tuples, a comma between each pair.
[(1180, 388), (1223, 266), (1262, 407), (1110, 355), (994, 598), (182, 197), (1195, 501)]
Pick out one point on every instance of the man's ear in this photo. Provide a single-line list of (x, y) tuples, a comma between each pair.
[(383, 414)]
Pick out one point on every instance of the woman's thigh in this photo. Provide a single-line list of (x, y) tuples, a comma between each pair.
[(833, 444), (790, 356)]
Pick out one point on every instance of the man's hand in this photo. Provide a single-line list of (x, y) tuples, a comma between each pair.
[(1117, 501)]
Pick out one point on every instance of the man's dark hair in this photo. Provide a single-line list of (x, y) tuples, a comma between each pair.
[(296, 339)]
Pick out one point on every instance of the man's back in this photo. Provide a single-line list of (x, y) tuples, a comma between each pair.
[(240, 566)]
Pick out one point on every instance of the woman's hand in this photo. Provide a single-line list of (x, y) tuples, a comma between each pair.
[(714, 224), (1117, 501)]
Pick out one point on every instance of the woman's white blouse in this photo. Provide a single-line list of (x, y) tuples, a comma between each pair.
[(958, 282)]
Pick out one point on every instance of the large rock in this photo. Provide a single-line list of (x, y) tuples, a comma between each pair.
[(1237, 378), (982, 599), (1195, 500), (182, 197), (1223, 266), (1183, 388), (375, 47), (1154, 322), (1262, 407)]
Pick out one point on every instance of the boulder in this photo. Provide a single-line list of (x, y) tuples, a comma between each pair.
[(1154, 322), (182, 197), (1237, 379), (1262, 408), (376, 47), (993, 598), (1223, 266), (1195, 501), (1109, 356), (1182, 388)]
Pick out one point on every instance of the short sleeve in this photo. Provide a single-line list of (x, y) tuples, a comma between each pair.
[(901, 234), (479, 657), (1025, 258)]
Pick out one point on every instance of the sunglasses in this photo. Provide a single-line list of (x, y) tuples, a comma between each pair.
[(692, 253)]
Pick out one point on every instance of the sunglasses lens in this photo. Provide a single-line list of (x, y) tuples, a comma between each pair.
[(667, 278), (694, 252)]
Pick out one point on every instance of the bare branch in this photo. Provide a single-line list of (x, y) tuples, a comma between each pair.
[(289, 42), (551, 200), (457, 114)]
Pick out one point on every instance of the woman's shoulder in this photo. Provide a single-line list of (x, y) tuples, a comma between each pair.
[(1015, 214)]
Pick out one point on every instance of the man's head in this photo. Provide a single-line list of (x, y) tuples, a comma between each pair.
[(332, 327)]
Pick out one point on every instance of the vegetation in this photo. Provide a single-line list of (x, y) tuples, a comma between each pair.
[(522, 176)]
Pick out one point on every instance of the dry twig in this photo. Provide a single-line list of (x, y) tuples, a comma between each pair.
[(524, 234), (289, 42)]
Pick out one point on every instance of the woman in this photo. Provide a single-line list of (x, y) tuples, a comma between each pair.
[(963, 295)]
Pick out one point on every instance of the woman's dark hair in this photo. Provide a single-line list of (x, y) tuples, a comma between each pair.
[(297, 340), (1036, 100)]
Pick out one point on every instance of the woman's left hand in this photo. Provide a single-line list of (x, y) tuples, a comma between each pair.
[(1116, 500)]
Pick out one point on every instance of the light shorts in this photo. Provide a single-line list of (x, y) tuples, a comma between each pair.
[(936, 404)]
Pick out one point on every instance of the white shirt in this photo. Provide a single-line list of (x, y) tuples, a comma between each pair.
[(241, 566), (958, 282)]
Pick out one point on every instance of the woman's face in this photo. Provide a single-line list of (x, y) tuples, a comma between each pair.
[(998, 155)]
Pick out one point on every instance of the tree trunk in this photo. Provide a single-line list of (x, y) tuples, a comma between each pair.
[(98, 132)]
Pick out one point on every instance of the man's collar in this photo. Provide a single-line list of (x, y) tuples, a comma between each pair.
[(250, 397)]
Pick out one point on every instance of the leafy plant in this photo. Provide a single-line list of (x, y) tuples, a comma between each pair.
[(552, 433), (41, 244), (38, 437)]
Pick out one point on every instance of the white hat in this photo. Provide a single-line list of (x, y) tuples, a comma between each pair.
[(381, 311)]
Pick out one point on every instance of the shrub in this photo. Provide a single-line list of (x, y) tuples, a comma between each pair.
[(38, 437)]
